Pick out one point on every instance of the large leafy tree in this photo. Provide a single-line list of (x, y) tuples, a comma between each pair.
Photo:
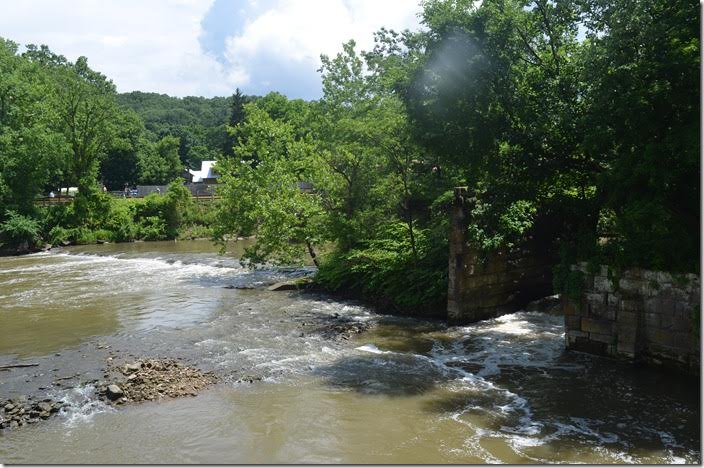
[(642, 63), (129, 143), (32, 146), (160, 164), (86, 107), (262, 194)]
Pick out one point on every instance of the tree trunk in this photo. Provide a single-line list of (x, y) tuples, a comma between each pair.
[(312, 254)]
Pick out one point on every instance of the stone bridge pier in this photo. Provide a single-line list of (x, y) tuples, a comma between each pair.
[(487, 284)]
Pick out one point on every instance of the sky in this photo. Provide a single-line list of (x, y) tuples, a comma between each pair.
[(205, 47)]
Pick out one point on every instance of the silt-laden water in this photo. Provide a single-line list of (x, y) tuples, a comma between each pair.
[(403, 391)]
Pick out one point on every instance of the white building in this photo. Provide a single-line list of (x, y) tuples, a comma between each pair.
[(206, 174)]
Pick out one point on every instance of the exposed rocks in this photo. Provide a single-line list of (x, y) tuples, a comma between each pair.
[(143, 380), (113, 392), (153, 379), (23, 410), (340, 329), (249, 379), (292, 285)]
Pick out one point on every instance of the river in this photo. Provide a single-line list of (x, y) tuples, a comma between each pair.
[(402, 391)]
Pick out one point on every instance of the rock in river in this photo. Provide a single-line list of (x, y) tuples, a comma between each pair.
[(133, 367), (114, 392)]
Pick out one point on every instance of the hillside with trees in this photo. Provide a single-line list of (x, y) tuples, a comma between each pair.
[(578, 120)]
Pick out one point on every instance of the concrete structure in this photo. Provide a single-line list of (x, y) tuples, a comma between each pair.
[(487, 284), (641, 316)]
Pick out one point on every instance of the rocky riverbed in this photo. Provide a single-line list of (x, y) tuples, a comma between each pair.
[(146, 379), (127, 380), (21, 411), (152, 379)]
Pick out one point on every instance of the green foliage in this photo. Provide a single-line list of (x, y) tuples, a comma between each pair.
[(567, 280), (261, 194), (120, 221), (152, 228), (199, 123), (385, 268), (160, 165), (59, 235), (643, 61), (96, 216), (32, 144), (130, 143), (161, 216), (18, 229)]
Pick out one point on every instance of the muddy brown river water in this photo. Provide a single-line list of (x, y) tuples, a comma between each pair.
[(401, 391)]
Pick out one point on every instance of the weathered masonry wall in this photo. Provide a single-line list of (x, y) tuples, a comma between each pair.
[(482, 285), (643, 316)]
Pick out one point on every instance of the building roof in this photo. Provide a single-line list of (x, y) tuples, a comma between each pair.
[(206, 171)]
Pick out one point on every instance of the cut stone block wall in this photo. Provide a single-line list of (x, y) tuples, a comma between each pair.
[(485, 285), (641, 316)]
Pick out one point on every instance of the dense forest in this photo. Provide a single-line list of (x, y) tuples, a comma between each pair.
[(576, 120)]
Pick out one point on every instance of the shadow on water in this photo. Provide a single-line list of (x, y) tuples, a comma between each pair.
[(389, 375)]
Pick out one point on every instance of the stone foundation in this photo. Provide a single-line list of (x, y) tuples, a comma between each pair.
[(485, 285), (642, 316)]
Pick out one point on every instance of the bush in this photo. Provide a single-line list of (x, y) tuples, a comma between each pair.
[(96, 216), (82, 236), (17, 230), (169, 208), (195, 231), (59, 235), (120, 221), (104, 235), (152, 228), (386, 270)]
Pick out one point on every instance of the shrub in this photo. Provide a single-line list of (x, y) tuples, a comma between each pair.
[(385, 269), (104, 235), (82, 236), (195, 231), (121, 221), (18, 229), (59, 235), (152, 228)]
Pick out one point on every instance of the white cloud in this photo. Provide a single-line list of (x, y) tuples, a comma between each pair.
[(294, 33), (153, 45)]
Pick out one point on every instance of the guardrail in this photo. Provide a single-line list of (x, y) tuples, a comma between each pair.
[(48, 201)]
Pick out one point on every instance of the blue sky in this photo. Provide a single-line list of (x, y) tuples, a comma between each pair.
[(205, 47)]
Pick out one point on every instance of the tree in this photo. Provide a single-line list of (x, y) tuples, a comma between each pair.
[(237, 116), (31, 145), (643, 93), (86, 108), (119, 167), (161, 164), (263, 196)]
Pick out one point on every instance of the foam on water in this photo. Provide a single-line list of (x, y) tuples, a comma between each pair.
[(370, 348), (83, 405)]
